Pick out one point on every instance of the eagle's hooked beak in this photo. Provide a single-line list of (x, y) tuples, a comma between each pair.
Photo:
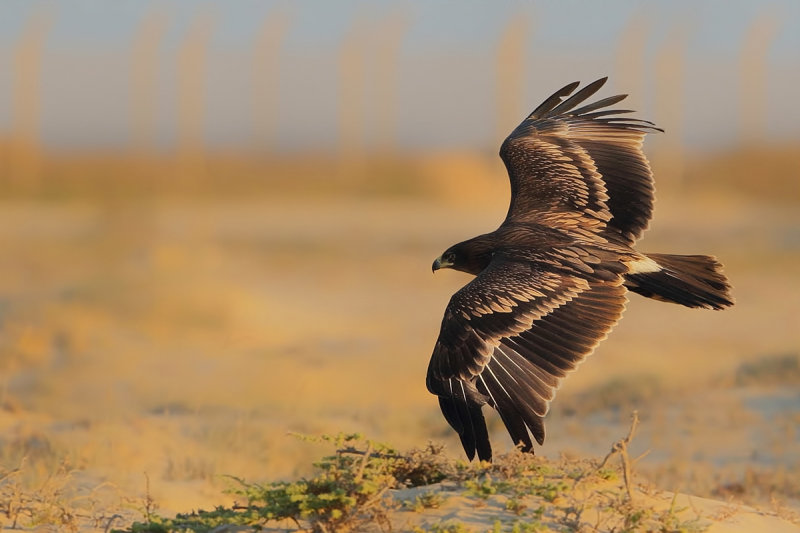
[(440, 263)]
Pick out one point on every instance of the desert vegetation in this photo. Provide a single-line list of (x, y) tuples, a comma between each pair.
[(362, 485), (368, 486)]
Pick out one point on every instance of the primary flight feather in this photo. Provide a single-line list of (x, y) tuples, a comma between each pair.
[(552, 280)]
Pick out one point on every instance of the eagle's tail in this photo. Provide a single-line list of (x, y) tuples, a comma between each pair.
[(690, 280)]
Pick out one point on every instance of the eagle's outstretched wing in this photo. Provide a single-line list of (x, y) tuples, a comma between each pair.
[(582, 165), (508, 338)]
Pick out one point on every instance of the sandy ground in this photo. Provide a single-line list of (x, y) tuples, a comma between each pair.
[(179, 342), (704, 514)]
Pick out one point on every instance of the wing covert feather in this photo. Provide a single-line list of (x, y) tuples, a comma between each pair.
[(581, 162), (514, 359)]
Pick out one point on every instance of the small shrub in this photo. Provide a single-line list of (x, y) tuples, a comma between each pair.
[(349, 489), (519, 526), (515, 505), (449, 526), (483, 487), (780, 369), (619, 394), (430, 499)]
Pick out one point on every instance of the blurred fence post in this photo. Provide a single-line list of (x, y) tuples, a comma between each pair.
[(670, 64), (143, 82), (192, 72), (389, 39), (352, 95), (266, 78), (753, 72), (26, 101), (630, 62), (511, 69)]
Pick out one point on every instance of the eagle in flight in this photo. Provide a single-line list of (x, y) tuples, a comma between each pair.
[(552, 280)]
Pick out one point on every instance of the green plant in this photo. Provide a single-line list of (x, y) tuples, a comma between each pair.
[(429, 499), (354, 489), (670, 520), (349, 488), (483, 487), (518, 526), (448, 526), (515, 505)]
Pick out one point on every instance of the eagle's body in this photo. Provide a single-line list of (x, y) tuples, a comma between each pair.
[(551, 281)]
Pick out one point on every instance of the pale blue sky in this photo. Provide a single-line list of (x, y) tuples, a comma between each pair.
[(445, 95)]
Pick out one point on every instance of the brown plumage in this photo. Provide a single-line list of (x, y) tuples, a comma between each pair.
[(551, 281)]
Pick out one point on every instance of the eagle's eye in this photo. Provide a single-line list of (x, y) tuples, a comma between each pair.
[(450, 257)]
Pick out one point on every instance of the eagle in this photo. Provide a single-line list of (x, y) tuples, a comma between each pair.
[(552, 281)]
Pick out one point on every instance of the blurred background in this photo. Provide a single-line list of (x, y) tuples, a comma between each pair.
[(218, 220)]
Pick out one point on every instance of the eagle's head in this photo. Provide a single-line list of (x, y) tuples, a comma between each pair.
[(446, 260), (470, 256)]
